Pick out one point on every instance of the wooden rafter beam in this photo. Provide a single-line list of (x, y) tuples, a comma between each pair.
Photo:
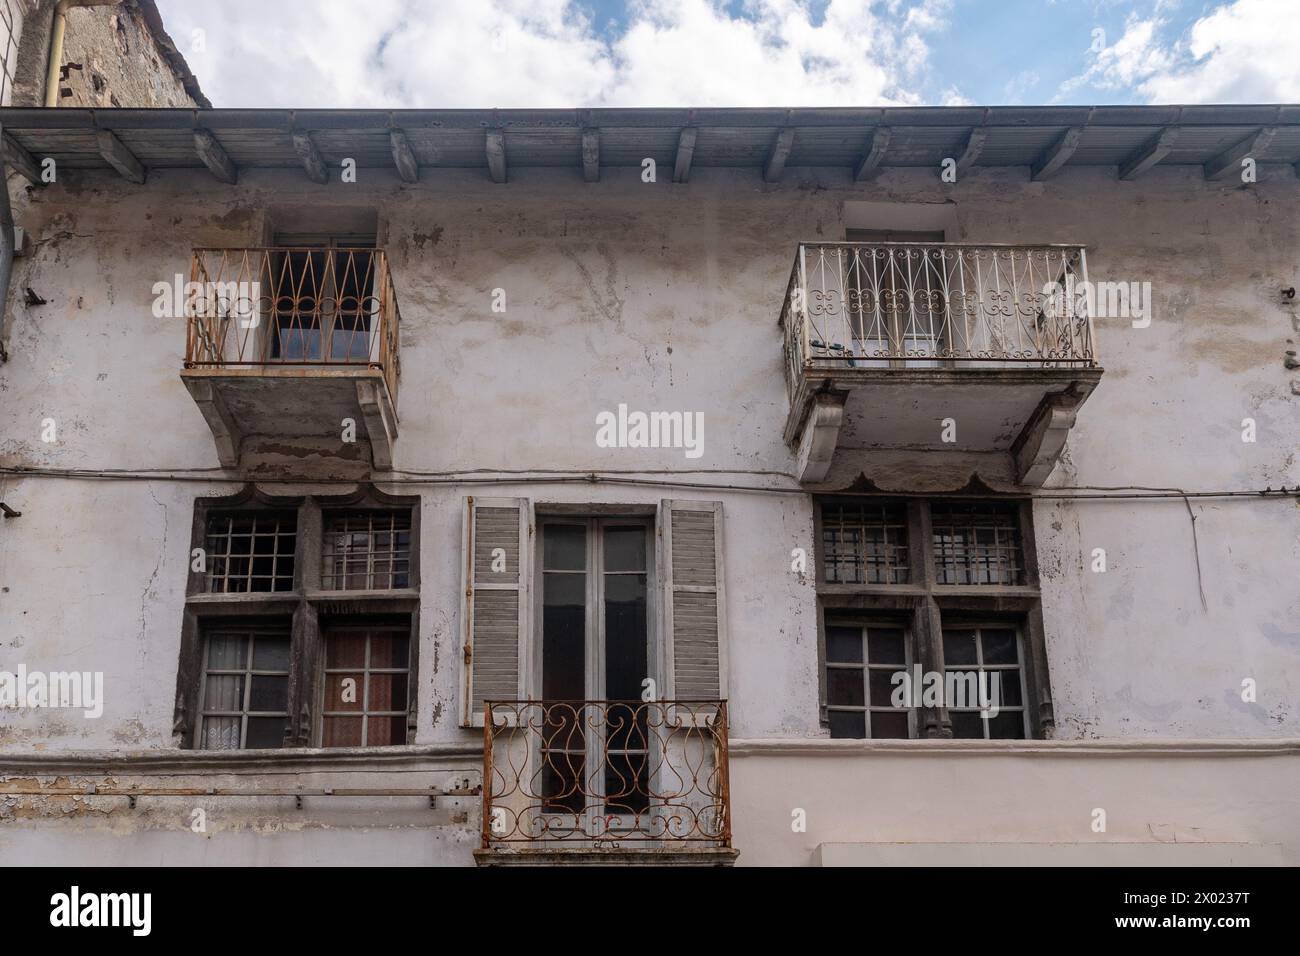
[(312, 163), (971, 150), (1056, 155), (1149, 154), (403, 156), (875, 153), (1230, 159), (685, 153), (779, 153), (591, 155), (215, 157), (19, 159), (496, 155), (119, 157)]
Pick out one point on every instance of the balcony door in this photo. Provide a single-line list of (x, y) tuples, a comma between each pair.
[(322, 295), (595, 753), (902, 302)]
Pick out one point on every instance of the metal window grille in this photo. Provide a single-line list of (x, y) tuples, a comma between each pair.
[(976, 543), (250, 551), (861, 661), (865, 543), (367, 551), (244, 697), (988, 652), (367, 671)]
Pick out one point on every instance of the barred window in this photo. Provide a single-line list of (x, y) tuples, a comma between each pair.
[(368, 550), (976, 543), (366, 675), (250, 551), (245, 691), (865, 543), (991, 656)]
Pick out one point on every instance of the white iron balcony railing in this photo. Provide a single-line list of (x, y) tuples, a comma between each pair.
[(889, 305), (606, 774)]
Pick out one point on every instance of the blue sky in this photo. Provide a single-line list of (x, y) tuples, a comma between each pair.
[(520, 53)]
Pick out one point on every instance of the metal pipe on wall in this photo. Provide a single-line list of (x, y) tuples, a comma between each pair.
[(57, 31)]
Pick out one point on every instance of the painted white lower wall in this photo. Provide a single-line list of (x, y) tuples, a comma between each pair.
[(959, 803)]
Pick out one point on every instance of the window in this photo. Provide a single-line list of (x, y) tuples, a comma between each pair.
[(250, 551), (975, 544), (245, 690), (595, 589), (991, 655), (861, 661), (270, 657), (368, 550), (865, 543), (322, 289), (365, 687), (938, 597)]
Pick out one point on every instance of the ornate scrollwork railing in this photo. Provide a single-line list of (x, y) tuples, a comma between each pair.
[(920, 304), (606, 774), (292, 306)]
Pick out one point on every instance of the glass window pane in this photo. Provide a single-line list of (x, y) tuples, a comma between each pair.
[(389, 650), (1008, 687), (220, 733), (999, 646), (341, 732), (959, 647), (271, 654), (346, 649), (344, 692), (564, 547), (224, 692), (266, 733), (844, 644), (1007, 725), (269, 694), (886, 646), (625, 549), (385, 731), (848, 724), (967, 725), (883, 686), (227, 652), (845, 686), (888, 726)]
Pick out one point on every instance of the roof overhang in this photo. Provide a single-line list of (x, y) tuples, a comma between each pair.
[(1045, 140)]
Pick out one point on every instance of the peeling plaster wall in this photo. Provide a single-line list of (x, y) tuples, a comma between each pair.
[(666, 297)]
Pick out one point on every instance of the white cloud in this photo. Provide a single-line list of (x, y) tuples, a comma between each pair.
[(546, 53), (1241, 53), (1235, 54)]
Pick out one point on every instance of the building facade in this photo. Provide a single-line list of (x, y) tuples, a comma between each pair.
[(758, 486)]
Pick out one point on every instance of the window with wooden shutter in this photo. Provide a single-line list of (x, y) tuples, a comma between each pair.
[(694, 604), (493, 602)]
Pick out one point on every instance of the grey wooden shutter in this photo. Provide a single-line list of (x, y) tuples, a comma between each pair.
[(494, 605), (694, 602)]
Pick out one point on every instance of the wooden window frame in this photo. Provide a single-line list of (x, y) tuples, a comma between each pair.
[(926, 605), (307, 610)]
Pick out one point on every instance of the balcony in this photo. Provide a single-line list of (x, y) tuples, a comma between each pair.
[(294, 350), (567, 782), (936, 347)]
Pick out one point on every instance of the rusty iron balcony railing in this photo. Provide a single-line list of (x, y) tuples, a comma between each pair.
[(867, 305), (606, 774), (293, 307)]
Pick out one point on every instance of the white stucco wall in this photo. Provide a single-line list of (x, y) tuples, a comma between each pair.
[(666, 297)]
